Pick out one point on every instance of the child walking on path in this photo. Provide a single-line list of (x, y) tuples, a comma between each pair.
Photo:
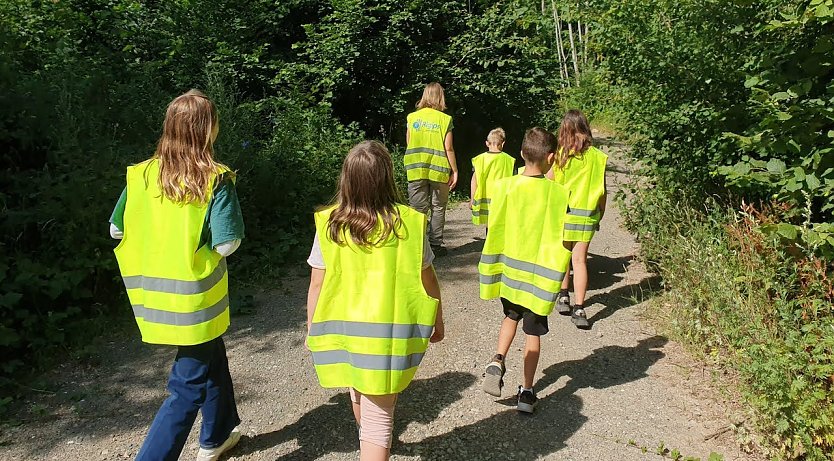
[(487, 168), (374, 301), (430, 164), (178, 218), (580, 167), (524, 259)]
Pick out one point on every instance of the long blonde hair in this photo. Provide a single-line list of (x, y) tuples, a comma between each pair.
[(367, 197), (433, 96), (185, 150), (574, 137)]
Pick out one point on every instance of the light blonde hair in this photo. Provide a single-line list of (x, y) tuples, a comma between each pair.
[(497, 136), (367, 197), (185, 150), (433, 97)]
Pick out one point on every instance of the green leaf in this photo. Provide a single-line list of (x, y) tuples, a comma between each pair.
[(776, 166)]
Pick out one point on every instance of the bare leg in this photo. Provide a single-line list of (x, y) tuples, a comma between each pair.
[(506, 335), (566, 280), (579, 261), (532, 347)]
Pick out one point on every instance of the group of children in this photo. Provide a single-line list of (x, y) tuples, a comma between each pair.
[(373, 304)]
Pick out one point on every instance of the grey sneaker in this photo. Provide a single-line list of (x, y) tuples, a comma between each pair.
[(563, 304), (494, 377), (526, 400), (579, 318), (213, 454)]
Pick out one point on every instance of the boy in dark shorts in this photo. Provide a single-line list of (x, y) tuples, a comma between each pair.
[(524, 259)]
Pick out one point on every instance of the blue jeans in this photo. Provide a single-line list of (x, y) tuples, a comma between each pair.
[(199, 381)]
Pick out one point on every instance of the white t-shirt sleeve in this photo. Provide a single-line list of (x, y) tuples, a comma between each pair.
[(316, 259)]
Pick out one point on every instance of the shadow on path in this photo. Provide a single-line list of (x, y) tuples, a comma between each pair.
[(558, 415), (330, 428)]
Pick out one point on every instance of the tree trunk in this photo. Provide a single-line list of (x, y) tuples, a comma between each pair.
[(573, 53), (563, 59)]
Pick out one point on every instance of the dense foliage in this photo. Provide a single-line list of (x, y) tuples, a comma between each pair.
[(731, 105), (84, 85)]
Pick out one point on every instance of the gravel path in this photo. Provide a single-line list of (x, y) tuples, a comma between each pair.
[(616, 392)]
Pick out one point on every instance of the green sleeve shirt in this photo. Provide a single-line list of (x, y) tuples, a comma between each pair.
[(224, 219)]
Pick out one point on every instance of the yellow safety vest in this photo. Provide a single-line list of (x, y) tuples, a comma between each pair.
[(584, 176), (178, 290), (373, 319), (425, 155), (488, 168), (524, 259)]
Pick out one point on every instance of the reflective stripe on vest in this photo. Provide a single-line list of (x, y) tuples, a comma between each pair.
[(425, 155), (178, 291), (373, 320), (488, 168), (524, 259), (584, 176)]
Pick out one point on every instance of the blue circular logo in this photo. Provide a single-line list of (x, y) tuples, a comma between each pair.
[(416, 125)]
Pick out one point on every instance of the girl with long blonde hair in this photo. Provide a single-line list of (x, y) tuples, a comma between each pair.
[(177, 219), (374, 301)]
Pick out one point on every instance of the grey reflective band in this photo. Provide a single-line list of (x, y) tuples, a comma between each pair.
[(371, 330), (181, 319), (480, 212), (178, 287), (521, 286), (429, 166), (581, 212), (425, 150), (580, 227), (535, 269), (368, 361), (483, 201)]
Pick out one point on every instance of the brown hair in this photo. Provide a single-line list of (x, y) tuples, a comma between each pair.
[(574, 137), (367, 197), (185, 150), (497, 136), (433, 97), (537, 143)]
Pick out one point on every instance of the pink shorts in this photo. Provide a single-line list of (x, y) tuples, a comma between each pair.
[(376, 420)]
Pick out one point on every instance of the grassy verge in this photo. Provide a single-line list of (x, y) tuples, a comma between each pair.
[(754, 307)]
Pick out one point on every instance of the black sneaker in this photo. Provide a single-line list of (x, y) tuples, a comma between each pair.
[(494, 377), (563, 303), (439, 251), (526, 400), (579, 318)]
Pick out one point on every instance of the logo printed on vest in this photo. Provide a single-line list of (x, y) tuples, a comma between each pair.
[(421, 124)]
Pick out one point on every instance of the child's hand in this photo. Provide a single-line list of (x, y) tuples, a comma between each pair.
[(439, 333), (471, 203)]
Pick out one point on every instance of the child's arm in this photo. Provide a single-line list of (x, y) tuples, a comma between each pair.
[(117, 218), (603, 200), (473, 186), (316, 279), (433, 289)]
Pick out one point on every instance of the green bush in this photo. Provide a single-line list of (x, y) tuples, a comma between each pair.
[(740, 297)]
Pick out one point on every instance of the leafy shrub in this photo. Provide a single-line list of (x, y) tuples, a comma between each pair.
[(735, 294)]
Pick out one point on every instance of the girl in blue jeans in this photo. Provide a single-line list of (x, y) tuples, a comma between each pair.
[(177, 219)]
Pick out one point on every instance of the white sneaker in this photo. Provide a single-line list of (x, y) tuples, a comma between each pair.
[(213, 454)]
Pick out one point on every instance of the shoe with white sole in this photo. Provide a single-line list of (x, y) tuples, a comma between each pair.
[(213, 454)]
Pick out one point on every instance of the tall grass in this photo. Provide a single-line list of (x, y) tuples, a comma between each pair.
[(753, 306)]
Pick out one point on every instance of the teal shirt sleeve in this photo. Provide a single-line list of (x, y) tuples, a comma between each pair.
[(118, 216), (225, 218)]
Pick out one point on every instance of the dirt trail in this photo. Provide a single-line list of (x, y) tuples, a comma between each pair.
[(606, 393)]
